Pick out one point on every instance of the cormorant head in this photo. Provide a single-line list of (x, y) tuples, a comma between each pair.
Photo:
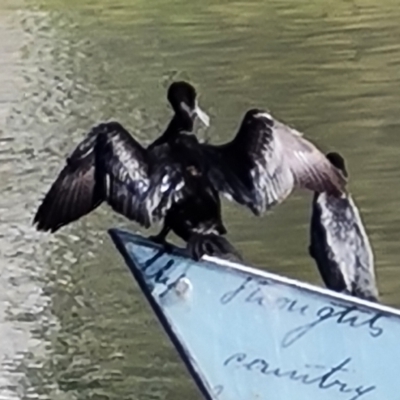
[(183, 99), (338, 161)]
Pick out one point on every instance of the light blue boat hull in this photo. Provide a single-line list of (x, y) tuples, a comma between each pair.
[(247, 334)]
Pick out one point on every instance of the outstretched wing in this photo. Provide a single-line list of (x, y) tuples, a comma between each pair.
[(264, 162), (75, 192), (109, 165), (138, 182), (123, 163), (250, 169), (309, 166)]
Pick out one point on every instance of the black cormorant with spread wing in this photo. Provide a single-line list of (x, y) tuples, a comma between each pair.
[(145, 185), (258, 168), (339, 243), (177, 179)]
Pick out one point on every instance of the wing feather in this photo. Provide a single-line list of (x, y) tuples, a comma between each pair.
[(74, 194), (309, 166), (250, 169), (110, 165), (266, 160), (142, 185)]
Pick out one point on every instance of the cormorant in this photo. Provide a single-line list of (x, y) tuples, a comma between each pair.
[(339, 243)]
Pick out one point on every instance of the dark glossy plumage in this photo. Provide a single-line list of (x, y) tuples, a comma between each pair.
[(266, 160), (340, 245), (145, 185), (76, 191), (198, 208), (182, 97), (178, 180), (109, 165)]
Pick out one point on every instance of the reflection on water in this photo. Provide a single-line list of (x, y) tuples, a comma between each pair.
[(73, 323)]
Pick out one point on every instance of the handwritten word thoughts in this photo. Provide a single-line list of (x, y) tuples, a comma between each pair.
[(253, 291)]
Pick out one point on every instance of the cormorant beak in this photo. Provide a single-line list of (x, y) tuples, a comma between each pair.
[(203, 117)]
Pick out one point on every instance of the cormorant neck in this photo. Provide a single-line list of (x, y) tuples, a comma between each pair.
[(179, 123)]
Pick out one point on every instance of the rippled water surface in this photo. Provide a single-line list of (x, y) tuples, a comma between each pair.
[(73, 324)]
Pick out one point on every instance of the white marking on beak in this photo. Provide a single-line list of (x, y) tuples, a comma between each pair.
[(203, 117)]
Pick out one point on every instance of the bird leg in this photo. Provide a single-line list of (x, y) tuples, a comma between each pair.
[(212, 245), (160, 238)]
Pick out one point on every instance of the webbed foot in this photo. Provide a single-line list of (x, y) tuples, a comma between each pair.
[(199, 245), (161, 240)]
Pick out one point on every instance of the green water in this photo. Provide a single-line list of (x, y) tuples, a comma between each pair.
[(72, 321)]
